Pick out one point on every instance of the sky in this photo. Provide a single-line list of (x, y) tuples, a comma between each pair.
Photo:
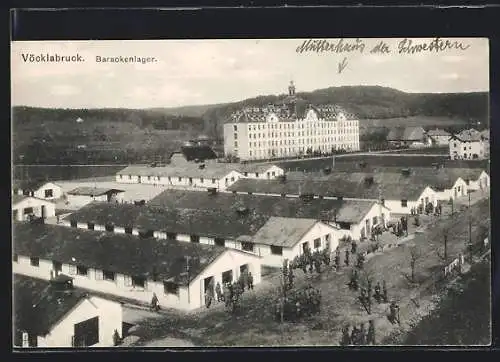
[(193, 72)]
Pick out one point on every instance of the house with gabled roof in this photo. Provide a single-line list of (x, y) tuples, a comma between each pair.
[(25, 207), (37, 188), (407, 136), (469, 144), (284, 239), (438, 137), (83, 195), (53, 313), (189, 175)]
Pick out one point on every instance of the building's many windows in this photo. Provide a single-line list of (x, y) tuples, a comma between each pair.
[(34, 261), (108, 275), (194, 238), (276, 250), (57, 266), (219, 242), (404, 203), (171, 288), (317, 243), (247, 246), (28, 211), (138, 282), (82, 270), (49, 193)]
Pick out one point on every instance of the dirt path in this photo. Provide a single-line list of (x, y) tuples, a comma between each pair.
[(254, 323)]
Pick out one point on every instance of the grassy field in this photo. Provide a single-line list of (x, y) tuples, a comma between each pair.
[(425, 151), (413, 121), (352, 161), (54, 173), (254, 324), (463, 318)]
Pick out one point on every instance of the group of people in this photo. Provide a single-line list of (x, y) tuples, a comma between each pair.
[(297, 304), (230, 292), (358, 336), (394, 313)]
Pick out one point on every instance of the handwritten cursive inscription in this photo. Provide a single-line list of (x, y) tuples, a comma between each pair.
[(340, 46), (408, 46)]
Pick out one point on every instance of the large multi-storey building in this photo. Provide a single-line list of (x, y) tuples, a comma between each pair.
[(469, 144), (294, 128)]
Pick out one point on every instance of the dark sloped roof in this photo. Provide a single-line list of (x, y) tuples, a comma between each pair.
[(30, 185), (437, 132), (469, 135), (223, 223), (38, 305), (103, 212), (119, 253), (18, 198), (351, 211), (227, 224), (348, 185), (328, 112), (92, 191), (406, 134)]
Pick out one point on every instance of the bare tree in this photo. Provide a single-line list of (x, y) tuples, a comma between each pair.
[(415, 255), (445, 232), (366, 290)]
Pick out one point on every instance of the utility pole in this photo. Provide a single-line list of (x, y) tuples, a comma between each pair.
[(187, 270), (470, 230)]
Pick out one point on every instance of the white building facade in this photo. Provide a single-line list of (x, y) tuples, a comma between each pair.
[(458, 189), (267, 133), (23, 207), (109, 316), (170, 295), (469, 145), (318, 237), (191, 179), (481, 183), (405, 206), (47, 191)]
